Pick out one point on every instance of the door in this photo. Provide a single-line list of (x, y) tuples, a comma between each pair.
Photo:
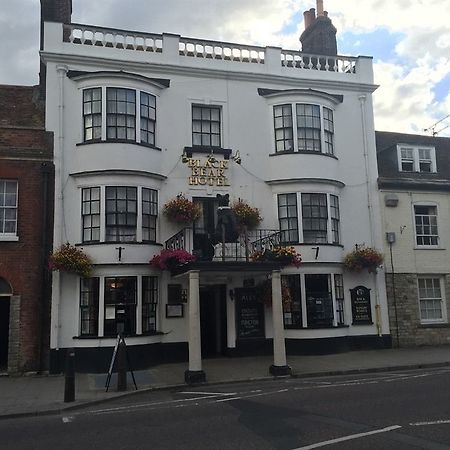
[(213, 320), (319, 303), (204, 228), (4, 331)]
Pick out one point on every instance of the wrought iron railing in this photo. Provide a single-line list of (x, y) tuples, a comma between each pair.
[(242, 249)]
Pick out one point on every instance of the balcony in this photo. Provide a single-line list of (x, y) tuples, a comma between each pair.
[(239, 251)]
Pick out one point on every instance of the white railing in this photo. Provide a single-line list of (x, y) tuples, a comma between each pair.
[(221, 50), (109, 37), (206, 49), (299, 60)]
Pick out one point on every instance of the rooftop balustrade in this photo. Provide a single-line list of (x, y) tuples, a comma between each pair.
[(182, 49)]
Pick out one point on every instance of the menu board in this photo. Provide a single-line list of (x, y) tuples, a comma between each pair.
[(361, 308), (249, 314)]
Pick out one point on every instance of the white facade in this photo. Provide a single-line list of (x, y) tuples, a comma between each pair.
[(246, 84)]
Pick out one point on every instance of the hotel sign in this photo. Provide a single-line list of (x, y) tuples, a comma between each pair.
[(209, 172)]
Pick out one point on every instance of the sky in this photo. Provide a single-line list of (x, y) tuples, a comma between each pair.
[(409, 41)]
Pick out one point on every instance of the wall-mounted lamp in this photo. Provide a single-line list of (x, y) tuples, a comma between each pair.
[(184, 157), (231, 294), (237, 157)]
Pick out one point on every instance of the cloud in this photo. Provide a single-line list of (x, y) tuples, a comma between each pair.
[(412, 59)]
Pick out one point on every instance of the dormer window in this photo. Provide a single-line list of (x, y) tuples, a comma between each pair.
[(415, 158)]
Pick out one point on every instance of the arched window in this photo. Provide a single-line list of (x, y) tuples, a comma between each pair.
[(5, 288)]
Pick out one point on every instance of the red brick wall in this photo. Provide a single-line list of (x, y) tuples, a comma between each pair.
[(26, 156)]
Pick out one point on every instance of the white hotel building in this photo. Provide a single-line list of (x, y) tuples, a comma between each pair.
[(129, 110)]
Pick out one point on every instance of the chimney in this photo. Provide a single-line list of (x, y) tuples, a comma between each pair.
[(319, 37), (319, 8), (52, 11)]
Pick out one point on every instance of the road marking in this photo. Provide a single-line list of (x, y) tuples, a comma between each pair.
[(215, 394), (349, 437), (436, 422), (68, 419), (251, 396)]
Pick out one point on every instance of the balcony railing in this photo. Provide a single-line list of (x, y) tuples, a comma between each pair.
[(247, 243)]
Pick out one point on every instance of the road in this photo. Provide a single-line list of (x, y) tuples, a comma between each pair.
[(392, 410)]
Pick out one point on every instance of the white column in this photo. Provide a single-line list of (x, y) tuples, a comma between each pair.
[(194, 374), (279, 349)]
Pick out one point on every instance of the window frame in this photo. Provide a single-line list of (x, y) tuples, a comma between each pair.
[(431, 236), (92, 114), (441, 299), (206, 121), (288, 218), (88, 204), (415, 160), (139, 117), (323, 137), (92, 305), (9, 235), (146, 224)]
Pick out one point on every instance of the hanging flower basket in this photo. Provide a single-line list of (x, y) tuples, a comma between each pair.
[(171, 259), (363, 258), (246, 215), (69, 258), (181, 210), (286, 255), (264, 293)]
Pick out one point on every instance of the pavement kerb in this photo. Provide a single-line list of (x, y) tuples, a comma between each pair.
[(324, 373)]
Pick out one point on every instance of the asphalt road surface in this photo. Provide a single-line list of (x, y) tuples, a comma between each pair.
[(392, 410)]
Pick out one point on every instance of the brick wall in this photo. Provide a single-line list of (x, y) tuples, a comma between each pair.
[(26, 156), (410, 331)]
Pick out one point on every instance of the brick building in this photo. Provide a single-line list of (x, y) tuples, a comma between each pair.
[(414, 183), (26, 187)]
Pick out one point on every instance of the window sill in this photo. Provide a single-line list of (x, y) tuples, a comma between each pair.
[(84, 337), (207, 149), (303, 152), (317, 327), (428, 247), (314, 243), (6, 238), (434, 325), (82, 244), (117, 141)]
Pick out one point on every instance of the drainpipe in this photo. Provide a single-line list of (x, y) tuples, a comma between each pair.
[(59, 212), (362, 103)]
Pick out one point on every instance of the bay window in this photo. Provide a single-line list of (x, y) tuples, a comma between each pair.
[(119, 114), (309, 129), (120, 307), (118, 214)]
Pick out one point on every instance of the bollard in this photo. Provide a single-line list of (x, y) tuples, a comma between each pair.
[(121, 367), (69, 381)]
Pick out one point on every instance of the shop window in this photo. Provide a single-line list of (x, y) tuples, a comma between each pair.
[(120, 306), (89, 297), (149, 303), (292, 310), (319, 303)]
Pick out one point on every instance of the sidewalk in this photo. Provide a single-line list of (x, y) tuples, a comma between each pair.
[(29, 395)]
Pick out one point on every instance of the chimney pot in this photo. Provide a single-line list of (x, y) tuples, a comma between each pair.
[(312, 13), (307, 18), (325, 13), (319, 8)]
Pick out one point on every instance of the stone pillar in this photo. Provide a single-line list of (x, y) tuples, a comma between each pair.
[(279, 366), (195, 373)]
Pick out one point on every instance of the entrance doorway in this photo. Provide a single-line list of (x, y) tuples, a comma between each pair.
[(213, 320), (4, 332), (319, 303)]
